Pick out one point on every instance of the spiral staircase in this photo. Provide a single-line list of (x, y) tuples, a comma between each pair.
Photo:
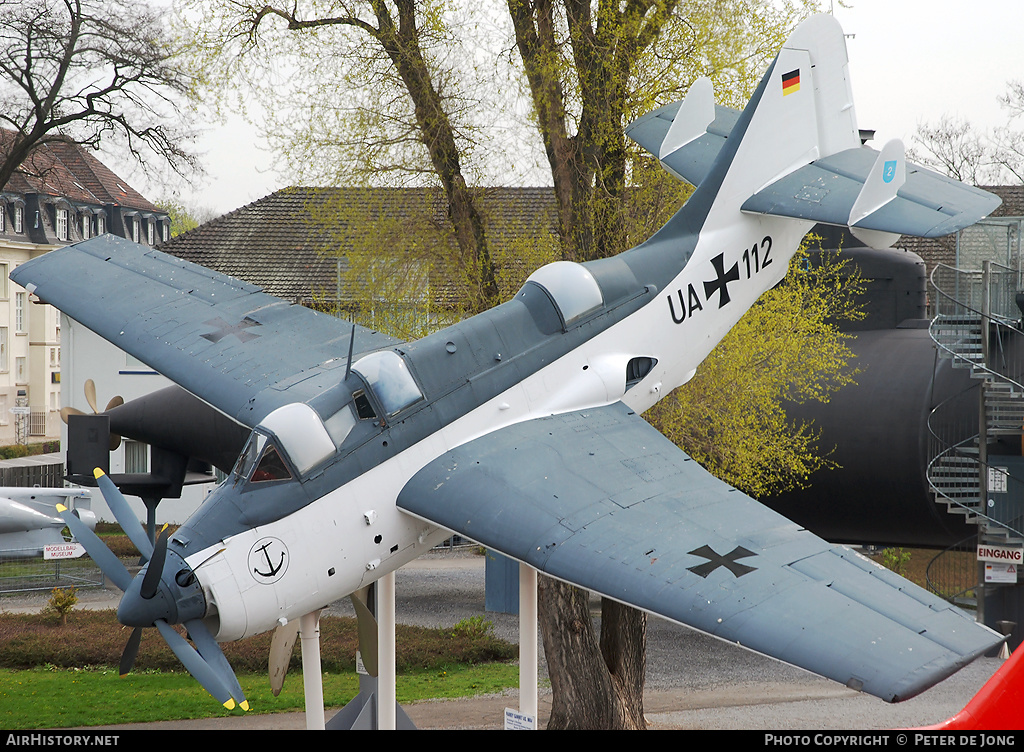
[(977, 325)]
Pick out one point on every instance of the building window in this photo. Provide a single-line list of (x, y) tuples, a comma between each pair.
[(4, 269), (86, 226), (62, 224), (136, 457), (135, 230), (166, 227), (150, 232), (101, 224), (19, 312), (19, 219), (3, 217), (3, 350)]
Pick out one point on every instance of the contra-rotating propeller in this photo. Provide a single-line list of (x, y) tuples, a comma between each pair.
[(168, 576), (90, 397)]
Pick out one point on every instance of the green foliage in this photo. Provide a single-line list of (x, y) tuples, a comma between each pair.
[(731, 417), (473, 627), (95, 638), (184, 218), (62, 602), (896, 559), (12, 451)]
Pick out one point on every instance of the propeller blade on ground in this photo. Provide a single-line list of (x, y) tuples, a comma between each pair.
[(124, 514), (366, 627), (109, 564), (195, 664), (131, 650), (281, 645), (210, 650), (151, 581)]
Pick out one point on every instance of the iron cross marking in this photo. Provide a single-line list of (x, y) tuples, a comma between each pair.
[(715, 560), (724, 278), (222, 329)]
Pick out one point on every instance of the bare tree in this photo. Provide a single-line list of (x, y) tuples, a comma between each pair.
[(958, 149), (86, 71)]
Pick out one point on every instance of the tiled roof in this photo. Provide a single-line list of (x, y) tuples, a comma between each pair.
[(1013, 199), (288, 242), (943, 250), (63, 168)]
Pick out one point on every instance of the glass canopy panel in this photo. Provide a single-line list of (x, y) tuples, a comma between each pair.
[(388, 376), (300, 434), (571, 286)]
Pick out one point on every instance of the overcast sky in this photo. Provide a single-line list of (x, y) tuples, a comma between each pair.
[(911, 62)]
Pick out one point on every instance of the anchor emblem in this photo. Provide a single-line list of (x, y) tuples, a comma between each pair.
[(262, 557)]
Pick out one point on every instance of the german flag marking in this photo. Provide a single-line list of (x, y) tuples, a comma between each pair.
[(790, 82)]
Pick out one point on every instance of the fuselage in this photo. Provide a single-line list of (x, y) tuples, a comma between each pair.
[(268, 547)]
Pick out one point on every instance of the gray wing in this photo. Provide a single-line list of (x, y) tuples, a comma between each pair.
[(600, 499), (226, 341), (928, 205)]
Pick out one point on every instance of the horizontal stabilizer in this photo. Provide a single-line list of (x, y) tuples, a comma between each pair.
[(689, 149), (829, 190)]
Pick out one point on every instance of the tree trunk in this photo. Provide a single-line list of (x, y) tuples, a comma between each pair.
[(597, 684)]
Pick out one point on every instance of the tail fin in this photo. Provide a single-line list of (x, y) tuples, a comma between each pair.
[(998, 705), (795, 152)]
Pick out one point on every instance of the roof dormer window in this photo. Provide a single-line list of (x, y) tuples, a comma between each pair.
[(19, 219), (62, 224)]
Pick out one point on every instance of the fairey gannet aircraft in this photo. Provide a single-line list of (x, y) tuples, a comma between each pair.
[(520, 427)]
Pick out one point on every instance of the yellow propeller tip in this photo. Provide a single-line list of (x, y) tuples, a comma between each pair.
[(245, 705), (61, 508), (230, 704), (97, 473)]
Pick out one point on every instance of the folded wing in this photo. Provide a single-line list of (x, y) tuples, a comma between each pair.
[(600, 499), (235, 347)]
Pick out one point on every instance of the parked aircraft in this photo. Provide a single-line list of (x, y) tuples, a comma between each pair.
[(28, 523), (520, 427)]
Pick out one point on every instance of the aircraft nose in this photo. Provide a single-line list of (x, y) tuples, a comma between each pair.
[(166, 589)]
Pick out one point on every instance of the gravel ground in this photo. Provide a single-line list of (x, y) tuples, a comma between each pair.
[(693, 681)]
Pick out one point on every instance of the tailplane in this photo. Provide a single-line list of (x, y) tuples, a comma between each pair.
[(795, 151)]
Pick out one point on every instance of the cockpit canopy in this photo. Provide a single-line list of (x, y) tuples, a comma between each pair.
[(571, 287), (290, 438), (388, 377)]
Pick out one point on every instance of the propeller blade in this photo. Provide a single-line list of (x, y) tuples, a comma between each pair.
[(151, 581), (281, 654), (90, 394), (123, 513), (116, 401), (66, 411), (366, 627), (195, 664), (214, 657), (109, 564), (131, 650)]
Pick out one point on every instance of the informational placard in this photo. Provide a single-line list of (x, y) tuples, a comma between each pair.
[(517, 721), (997, 479), (1000, 574), (63, 551)]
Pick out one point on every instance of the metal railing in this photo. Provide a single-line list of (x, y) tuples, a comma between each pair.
[(977, 318)]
